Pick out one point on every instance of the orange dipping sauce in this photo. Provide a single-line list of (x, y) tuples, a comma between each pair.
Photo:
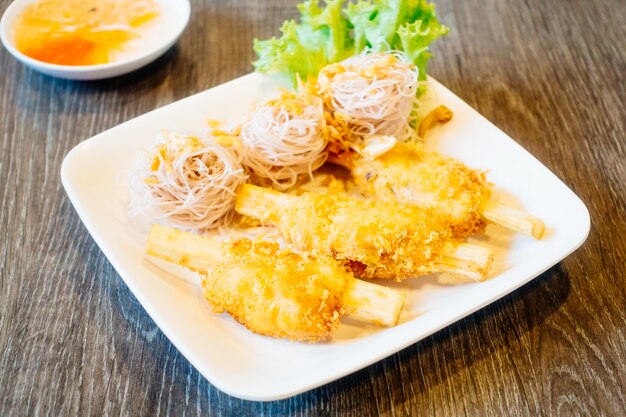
[(80, 32)]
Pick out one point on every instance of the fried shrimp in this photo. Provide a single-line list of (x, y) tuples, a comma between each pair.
[(458, 195), (374, 239), (275, 291)]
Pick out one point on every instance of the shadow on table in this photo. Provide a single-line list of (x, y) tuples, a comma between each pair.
[(431, 362)]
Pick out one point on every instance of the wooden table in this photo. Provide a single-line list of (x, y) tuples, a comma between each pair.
[(74, 340)]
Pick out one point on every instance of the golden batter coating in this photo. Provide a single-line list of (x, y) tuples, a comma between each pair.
[(277, 292), (366, 235), (375, 239), (412, 174)]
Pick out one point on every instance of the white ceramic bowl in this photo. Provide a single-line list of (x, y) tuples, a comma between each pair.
[(163, 33)]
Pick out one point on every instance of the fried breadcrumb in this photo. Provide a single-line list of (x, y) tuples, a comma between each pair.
[(412, 174)]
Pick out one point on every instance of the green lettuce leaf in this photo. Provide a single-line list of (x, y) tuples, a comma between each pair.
[(330, 34), (288, 54), (326, 28), (402, 25), (322, 37), (380, 27), (415, 39)]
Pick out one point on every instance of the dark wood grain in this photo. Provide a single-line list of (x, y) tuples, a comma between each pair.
[(74, 340)]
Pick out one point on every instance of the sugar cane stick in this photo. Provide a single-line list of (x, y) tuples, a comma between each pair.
[(360, 300), (376, 239), (512, 219), (466, 260), (372, 303)]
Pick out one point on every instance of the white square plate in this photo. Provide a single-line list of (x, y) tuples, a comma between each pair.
[(255, 367)]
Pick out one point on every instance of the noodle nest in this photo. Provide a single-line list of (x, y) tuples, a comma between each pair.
[(370, 94), (285, 139), (187, 182)]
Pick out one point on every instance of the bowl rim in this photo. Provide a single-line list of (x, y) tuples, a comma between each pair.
[(6, 23)]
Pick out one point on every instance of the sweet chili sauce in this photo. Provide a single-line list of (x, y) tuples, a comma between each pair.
[(80, 32)]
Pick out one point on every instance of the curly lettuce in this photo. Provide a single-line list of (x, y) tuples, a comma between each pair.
[(321, 37), (399, 25), (333, 32)]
